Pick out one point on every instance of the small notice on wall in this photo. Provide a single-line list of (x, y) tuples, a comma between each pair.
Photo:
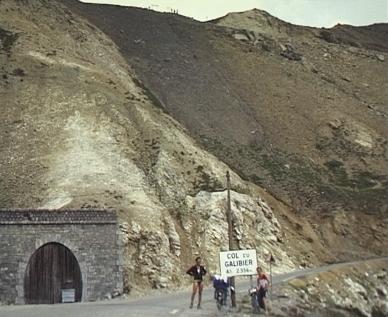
[(68, 295)]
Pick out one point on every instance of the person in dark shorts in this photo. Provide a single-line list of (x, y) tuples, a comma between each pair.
[(262, 286), (197, 271)]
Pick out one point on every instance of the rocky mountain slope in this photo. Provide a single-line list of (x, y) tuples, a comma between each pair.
[(80, 130), (285, 106), (303, 117), (144, 113)]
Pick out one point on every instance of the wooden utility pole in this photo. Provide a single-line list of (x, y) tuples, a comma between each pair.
[(230, 235)]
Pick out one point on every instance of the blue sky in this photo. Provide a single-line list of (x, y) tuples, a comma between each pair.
[(318, 13)]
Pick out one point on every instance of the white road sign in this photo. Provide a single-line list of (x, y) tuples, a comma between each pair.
[(238, 262)]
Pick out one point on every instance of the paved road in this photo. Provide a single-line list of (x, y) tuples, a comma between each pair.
[(175, 304)]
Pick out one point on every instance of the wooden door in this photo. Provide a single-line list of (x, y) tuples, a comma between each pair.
[(51, 268)]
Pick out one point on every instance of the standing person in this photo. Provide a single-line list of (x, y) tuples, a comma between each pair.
[(262, 287), (197, 271)]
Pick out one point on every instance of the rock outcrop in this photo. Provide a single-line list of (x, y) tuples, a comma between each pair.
[(359, 289)]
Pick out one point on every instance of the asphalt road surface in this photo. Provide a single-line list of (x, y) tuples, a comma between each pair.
[(174, 304)]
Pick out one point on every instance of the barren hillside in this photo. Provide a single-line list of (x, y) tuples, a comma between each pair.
[(143, 112), (79, 130), (286, 109), (284, 106)]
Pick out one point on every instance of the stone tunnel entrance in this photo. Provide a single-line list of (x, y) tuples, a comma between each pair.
[(52, 268), (51, 256)]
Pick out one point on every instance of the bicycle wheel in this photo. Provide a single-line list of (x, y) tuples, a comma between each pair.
[(219, 304), (255, 303)]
